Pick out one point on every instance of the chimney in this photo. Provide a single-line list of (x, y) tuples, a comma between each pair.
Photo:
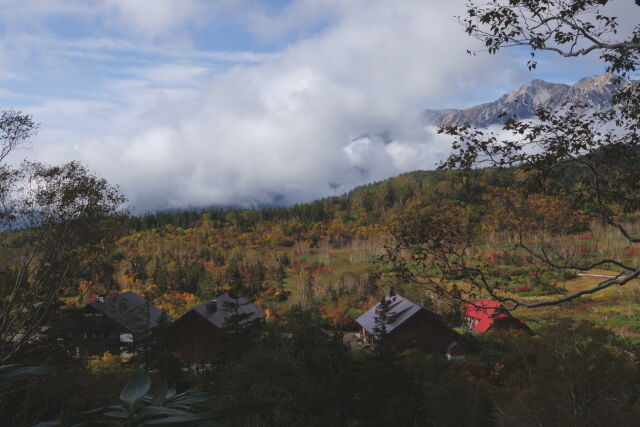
[(212, 306), (392, 292), (101, 297)]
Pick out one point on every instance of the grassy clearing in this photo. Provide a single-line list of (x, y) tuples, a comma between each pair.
[(615, 308)]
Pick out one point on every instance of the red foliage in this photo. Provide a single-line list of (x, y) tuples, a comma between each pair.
[(587, 249), (524, 288), (336, 315), (631, 251)]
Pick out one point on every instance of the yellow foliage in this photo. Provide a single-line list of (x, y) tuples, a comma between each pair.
[(107, 363)]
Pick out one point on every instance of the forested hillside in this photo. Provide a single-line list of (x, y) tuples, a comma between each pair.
[(332, 255), (327, 254)]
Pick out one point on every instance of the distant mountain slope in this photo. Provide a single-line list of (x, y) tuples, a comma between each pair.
[(596, 91)]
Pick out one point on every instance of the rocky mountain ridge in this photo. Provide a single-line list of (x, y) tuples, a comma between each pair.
[(594, 91)]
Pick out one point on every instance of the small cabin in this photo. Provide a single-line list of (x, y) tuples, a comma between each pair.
[(194, 335), (484, 315), (410, 326), (115, 324)]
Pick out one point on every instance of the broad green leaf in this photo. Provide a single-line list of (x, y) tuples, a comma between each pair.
[(7, 378), (217, 414), (171, 392), (161, 410), (187, 399), (149, 413), (160, 396), (135, 389), (118, 415)]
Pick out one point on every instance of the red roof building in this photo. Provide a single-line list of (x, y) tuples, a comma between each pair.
[(485, 314)]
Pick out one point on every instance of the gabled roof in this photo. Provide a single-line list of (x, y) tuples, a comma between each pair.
[(219, 309), (130, 311), (486, 311), (400, 310), (484, 308)]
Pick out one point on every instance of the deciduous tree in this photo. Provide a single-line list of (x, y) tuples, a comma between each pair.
[(53, 219)]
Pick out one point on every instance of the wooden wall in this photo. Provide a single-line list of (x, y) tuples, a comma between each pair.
[(423, 332), (193, 338)]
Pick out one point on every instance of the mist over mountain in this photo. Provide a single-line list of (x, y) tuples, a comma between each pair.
[(375, 155), (595, 92)]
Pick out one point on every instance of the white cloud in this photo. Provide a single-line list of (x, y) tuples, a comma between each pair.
[(154, 17), (151, 18), (169, 74), (236, 56), (286, 126), (298, 16)]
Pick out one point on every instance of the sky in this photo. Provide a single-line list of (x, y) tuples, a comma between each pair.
[(197, 103)]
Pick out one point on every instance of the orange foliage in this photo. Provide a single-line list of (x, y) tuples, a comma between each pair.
[(175, 303)]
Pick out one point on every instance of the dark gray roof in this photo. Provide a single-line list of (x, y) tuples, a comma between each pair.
[(221, 308), (400, 310), (130, 311)]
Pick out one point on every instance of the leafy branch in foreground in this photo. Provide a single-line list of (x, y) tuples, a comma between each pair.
[(568, 162), (570, 28)]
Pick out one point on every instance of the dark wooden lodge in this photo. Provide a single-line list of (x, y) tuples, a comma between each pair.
[(410, 326), (116, 324), (194, 336)]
